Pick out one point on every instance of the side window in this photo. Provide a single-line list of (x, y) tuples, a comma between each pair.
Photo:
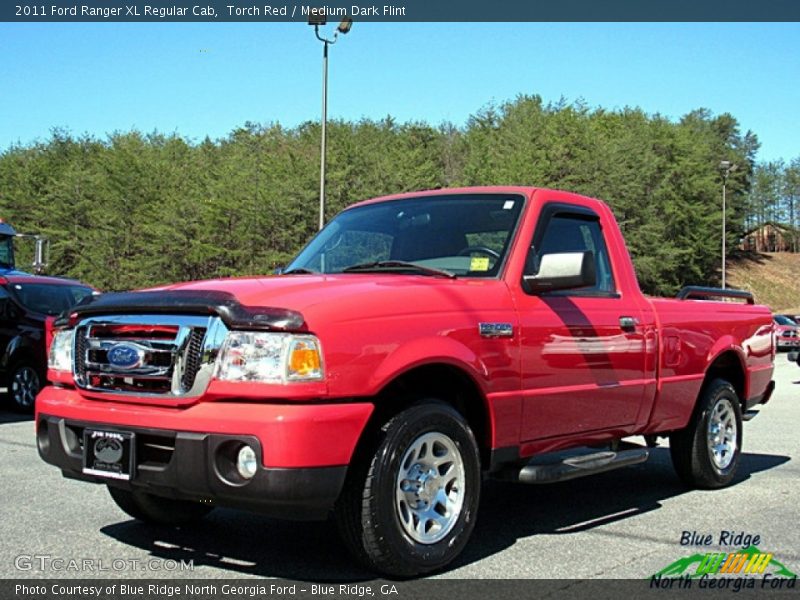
[(6, 252), (576, 233)]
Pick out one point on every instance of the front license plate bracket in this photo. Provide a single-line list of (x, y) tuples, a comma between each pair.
[(109, 453)]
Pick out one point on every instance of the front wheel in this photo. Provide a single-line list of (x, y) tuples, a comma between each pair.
[(706, 453), (24, 384), (410, 506), (157, 510)]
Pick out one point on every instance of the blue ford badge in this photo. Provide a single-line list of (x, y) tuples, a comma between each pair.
[(125, 356)]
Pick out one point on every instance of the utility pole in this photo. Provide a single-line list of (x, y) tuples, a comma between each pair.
[(727, 167)]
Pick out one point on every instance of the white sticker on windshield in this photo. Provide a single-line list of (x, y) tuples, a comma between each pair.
[(508, 205)]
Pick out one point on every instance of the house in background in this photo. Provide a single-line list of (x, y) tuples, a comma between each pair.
[(771, 237)]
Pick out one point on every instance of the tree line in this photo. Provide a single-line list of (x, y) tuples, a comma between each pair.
[(134, 209), (775, 198)]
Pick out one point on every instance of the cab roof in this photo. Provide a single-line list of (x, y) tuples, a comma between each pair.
[(526, 191)]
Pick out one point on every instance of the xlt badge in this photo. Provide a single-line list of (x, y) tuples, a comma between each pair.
[(496, 329)]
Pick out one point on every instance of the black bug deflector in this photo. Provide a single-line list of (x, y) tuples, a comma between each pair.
[(225, 305)]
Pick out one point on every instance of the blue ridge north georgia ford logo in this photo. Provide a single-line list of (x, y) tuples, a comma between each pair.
[(125, 356)]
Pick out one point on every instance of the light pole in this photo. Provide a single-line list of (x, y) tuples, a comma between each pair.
[(727, 167), (316, 19)]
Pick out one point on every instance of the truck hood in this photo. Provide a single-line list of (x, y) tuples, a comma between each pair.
[(353, 296)]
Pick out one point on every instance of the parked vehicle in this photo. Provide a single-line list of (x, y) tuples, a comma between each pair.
[(7, 261), (418, 343), (787, 333), (26, 301)]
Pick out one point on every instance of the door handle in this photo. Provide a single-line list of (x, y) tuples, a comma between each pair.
[(628, 324)]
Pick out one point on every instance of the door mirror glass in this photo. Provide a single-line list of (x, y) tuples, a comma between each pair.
[(40, 252), (562, 271)]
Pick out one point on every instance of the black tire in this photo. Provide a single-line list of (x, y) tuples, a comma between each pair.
[(157, 510), (24, 382), (375, 514), (695, 462)]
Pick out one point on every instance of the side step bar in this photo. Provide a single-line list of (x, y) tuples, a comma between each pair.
[(749, 415), (581, 466)]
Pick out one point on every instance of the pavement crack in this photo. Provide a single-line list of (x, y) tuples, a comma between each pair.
[(634, 559), (24, 445)]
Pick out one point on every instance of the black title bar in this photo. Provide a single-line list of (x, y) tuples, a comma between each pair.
[(402, 10)]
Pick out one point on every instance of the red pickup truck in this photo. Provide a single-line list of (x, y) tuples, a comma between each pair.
[(418, 343)]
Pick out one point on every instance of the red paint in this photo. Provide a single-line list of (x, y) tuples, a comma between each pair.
[(569, 375), (291, 435)]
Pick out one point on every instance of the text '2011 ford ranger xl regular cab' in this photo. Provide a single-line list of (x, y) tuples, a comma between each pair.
[(417, 343)]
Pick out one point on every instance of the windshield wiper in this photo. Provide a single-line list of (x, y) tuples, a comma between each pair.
[(397, 266), (298, 271)]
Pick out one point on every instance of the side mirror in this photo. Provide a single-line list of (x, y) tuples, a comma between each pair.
[(562, 271), (40, 254)]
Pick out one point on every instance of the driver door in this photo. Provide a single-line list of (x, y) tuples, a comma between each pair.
[(583, 352)]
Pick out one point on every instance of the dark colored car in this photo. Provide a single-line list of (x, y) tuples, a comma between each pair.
[(26, 302), (786, 333)]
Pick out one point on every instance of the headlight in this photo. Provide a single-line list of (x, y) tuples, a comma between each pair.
[(60, 358), (269, 357)]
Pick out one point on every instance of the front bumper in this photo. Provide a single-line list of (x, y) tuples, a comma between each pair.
[(303, 450), (783, 342)]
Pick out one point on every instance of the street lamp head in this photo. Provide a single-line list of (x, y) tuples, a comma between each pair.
[(724, 164), (317, 17), (345, 25)]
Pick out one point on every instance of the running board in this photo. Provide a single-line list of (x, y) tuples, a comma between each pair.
[(581, 466)]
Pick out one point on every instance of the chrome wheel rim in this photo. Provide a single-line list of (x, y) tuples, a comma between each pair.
[(24, 387), (430, 487), (722, 433)]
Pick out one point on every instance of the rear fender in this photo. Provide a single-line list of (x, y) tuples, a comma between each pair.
[(727, 343)]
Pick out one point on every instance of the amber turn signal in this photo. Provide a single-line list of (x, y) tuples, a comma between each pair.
[(304, 360)]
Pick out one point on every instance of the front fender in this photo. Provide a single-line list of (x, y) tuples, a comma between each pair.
[(426, 351), (23, 346)]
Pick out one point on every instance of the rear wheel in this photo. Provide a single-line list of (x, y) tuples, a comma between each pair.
[(24, 383), (157, 510), (706, 453), (410, 505)]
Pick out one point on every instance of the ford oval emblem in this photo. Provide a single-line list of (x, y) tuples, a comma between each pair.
[(125, 356)]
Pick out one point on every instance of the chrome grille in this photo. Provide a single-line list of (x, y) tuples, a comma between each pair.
[(193, 357), (147, 355)]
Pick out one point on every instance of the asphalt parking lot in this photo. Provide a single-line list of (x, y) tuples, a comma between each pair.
[(624, 524)]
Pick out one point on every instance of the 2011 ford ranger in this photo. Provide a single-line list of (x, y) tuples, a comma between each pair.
[(416, 344)]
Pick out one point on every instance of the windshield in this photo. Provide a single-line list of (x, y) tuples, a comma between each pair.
[(6, 252), (783, 320), (47, 298), (465, 235)]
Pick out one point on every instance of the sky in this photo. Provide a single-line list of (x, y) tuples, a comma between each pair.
[(207, 79)]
